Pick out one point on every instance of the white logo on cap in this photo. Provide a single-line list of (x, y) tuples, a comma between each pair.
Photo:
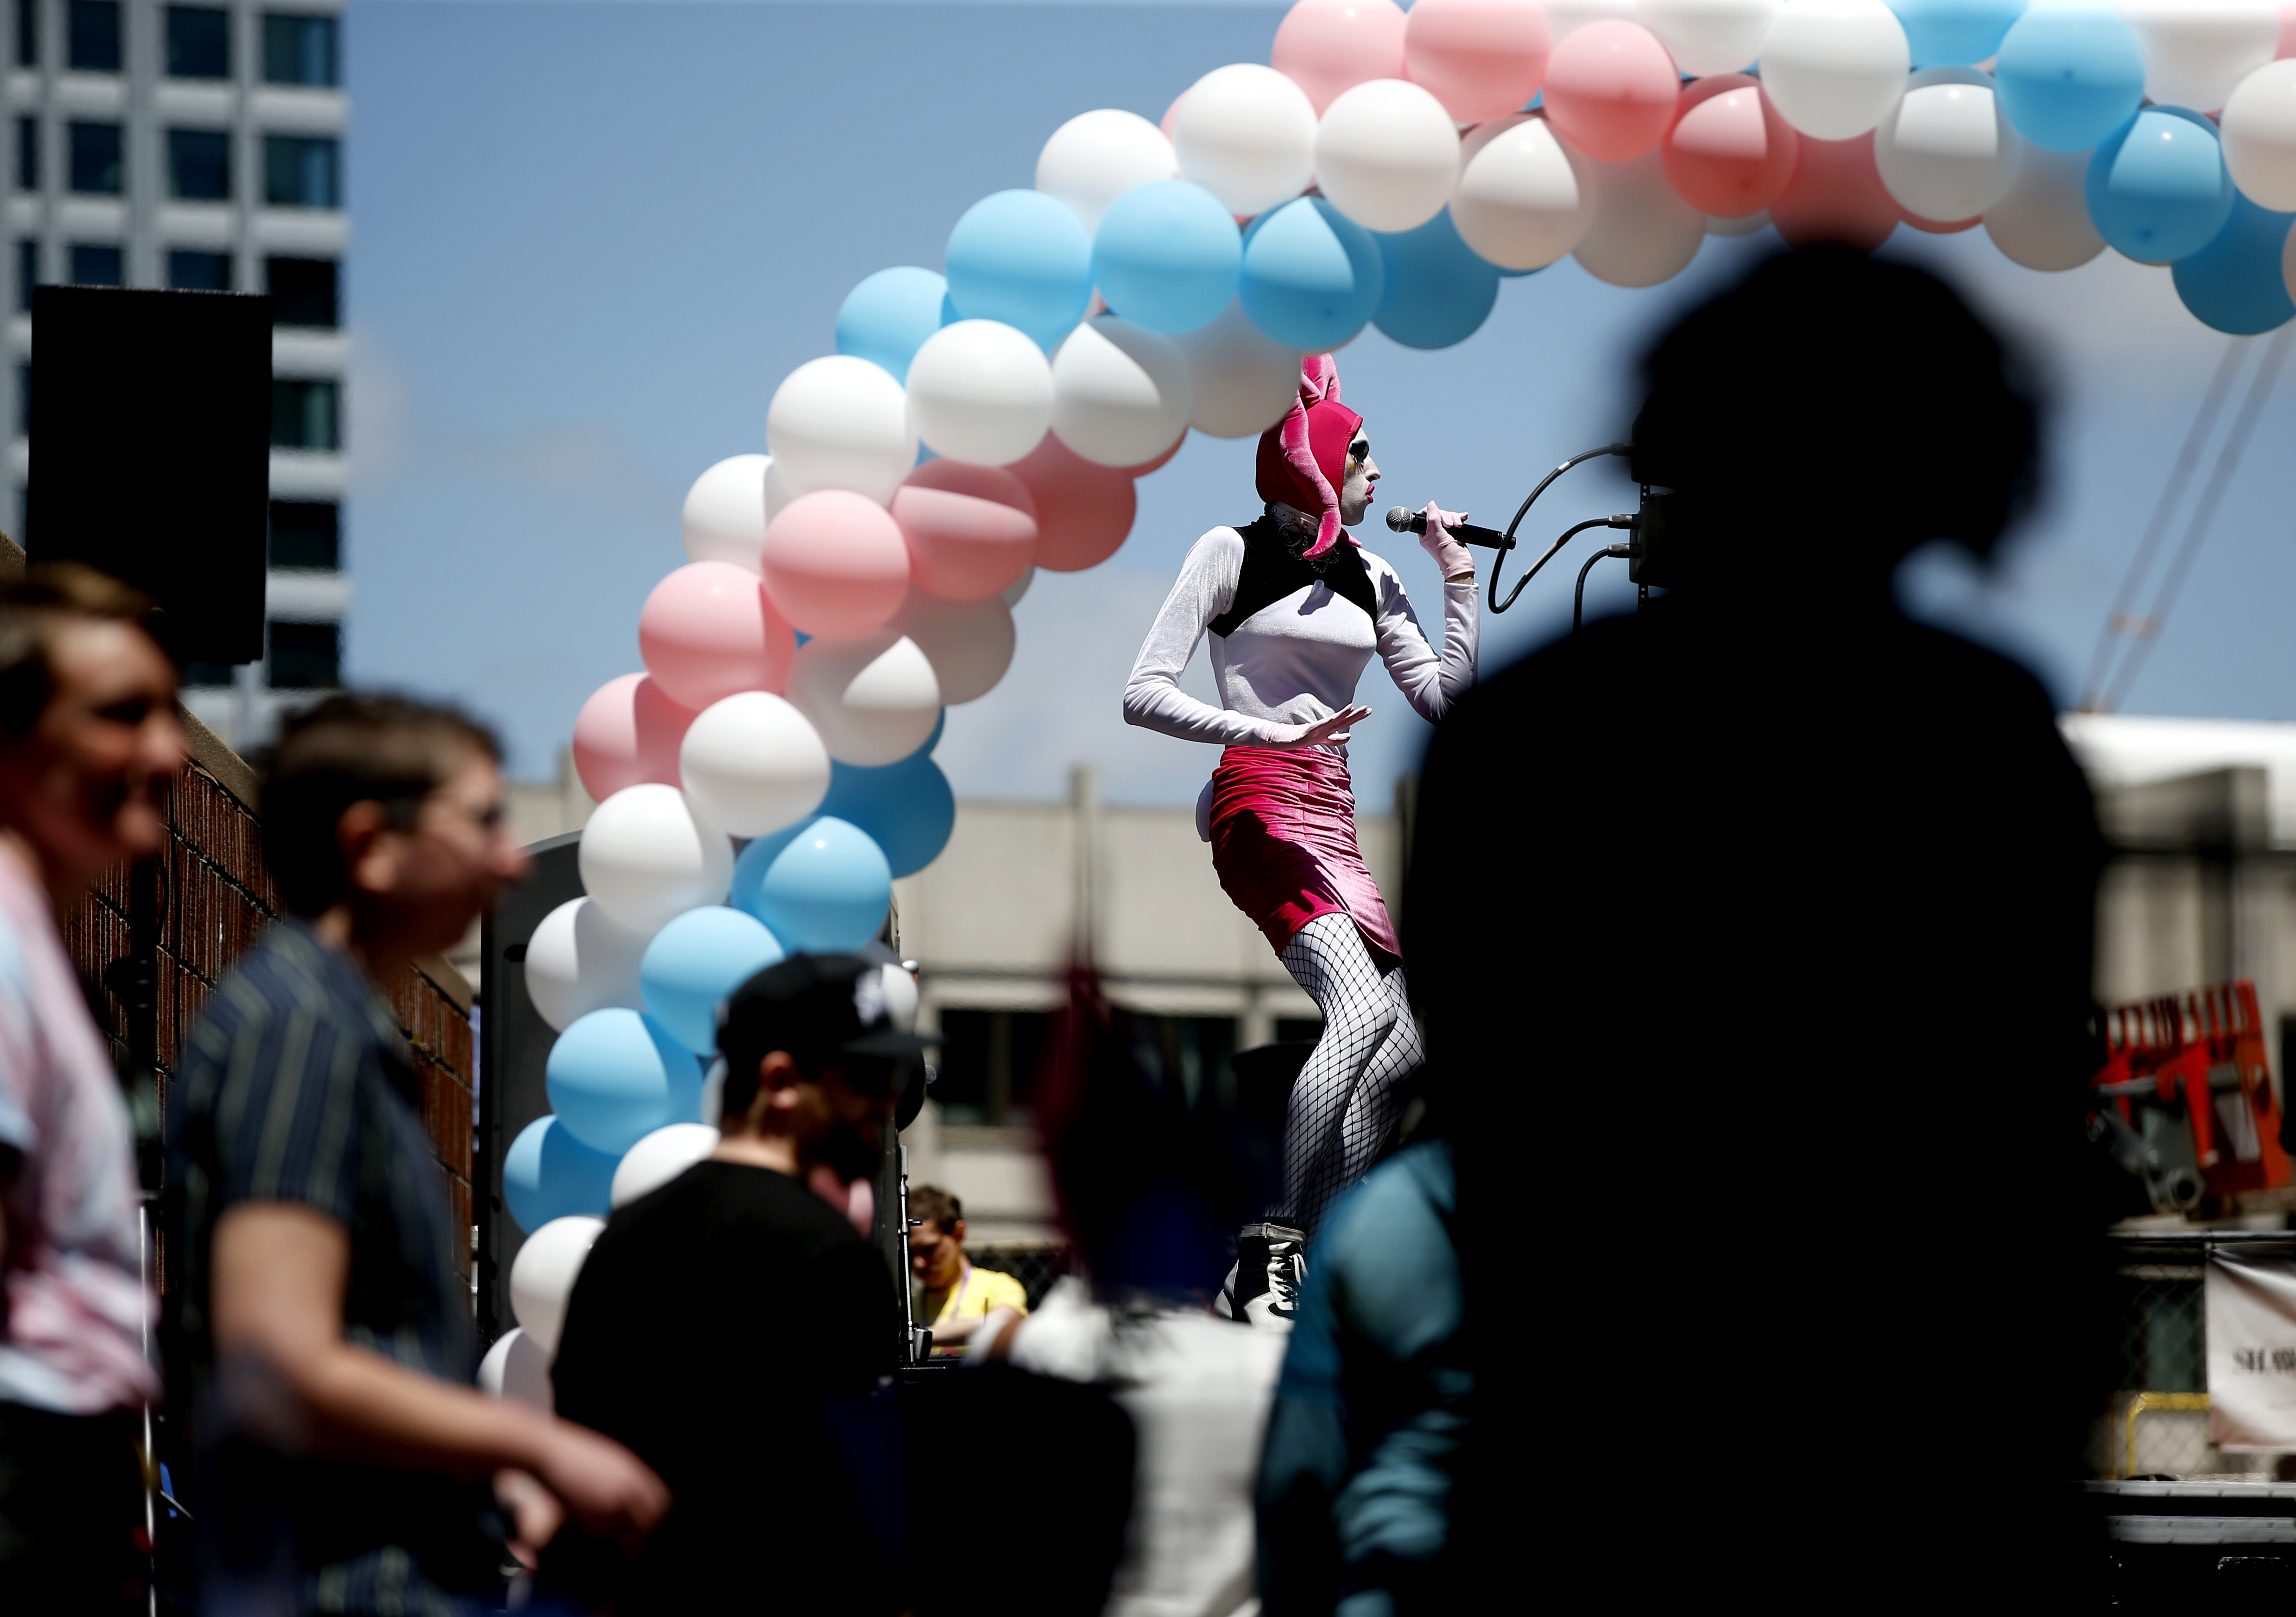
[(869, 996)]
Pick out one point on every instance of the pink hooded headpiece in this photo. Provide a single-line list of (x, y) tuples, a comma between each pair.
[(1303, 458)]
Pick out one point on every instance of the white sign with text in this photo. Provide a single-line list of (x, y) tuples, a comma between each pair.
[(2251, 1321)]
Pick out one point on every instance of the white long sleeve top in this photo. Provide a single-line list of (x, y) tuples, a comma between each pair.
[(1296, 660)]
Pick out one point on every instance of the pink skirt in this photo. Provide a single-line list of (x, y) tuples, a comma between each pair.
[(1284, 845)]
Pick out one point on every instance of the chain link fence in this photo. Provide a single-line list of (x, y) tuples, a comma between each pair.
[(2157, 1423), (1035, 1264)]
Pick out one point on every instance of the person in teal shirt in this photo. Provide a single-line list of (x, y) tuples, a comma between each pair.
[(1357, 1476)]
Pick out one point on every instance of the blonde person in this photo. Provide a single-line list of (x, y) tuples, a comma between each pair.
[(954, 1295)]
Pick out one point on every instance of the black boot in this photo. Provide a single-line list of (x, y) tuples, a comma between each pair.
[(1271, 1264)]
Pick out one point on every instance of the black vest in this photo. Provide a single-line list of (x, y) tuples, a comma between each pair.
[(1272, 570)]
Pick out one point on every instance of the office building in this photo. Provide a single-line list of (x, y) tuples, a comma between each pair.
[(200, 147)]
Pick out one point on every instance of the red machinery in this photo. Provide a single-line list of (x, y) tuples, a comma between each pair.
[(2186, 1096)]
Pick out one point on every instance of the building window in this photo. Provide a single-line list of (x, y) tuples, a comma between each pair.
[(986, 1058), (28, 274), (306, 536), (23, 409), (192, 270), (92, 265), (302, 172), (199, 165), (28, 33), (299, 50), (28, 154), (208, 674), (97, 166), (1290, 1028), (306, 657), (92, 36), (306, 415), (302, 291), (199, 42)]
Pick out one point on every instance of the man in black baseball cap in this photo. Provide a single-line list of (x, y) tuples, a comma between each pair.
[(715, 1316)]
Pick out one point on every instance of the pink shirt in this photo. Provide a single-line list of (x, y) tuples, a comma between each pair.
[(73, 1315)]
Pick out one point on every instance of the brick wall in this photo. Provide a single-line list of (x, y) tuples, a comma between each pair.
[(215, 898)]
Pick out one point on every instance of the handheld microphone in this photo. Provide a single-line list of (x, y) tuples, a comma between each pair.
[(1403, 521)]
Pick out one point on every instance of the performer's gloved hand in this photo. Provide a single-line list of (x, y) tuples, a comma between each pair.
[(1334, 729), (1450, 556)]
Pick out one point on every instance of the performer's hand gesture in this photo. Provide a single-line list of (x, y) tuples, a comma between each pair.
[(1334, 729), (1451, 557)]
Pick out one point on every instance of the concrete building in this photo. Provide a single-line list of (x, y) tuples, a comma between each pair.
[(200, 147)]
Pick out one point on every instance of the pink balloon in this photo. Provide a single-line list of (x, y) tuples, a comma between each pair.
[(1482, 59), (1172, 114), (1936, 227), (1084, 511), (1325, 46), (2287, 31), (1610, 90), (1728, 154), (627, 735), (972, 530), (708, 631), (1836, 195), (835, 563)]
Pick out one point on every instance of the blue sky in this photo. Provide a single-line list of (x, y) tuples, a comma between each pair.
[(591, 238)]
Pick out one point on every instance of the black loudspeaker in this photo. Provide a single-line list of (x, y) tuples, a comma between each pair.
[(150, 450)]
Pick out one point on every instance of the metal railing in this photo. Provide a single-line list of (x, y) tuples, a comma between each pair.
[(2157, 1425)]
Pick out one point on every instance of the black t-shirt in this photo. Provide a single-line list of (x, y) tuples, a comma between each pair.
[(711, 1322)]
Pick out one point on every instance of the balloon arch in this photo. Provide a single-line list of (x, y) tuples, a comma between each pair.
[(1382, 171)]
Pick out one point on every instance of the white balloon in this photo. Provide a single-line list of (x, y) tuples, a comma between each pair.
[(1121, 395), (901, 997), (1709, 36), (1833, 68), (1643, 232), (1247, 134), (1096, 157), (2043, 222), (2259, 136), (579, 960), (1564, 16), (724, 514), (518, 1369), (660, 1157), (968, 643), (1947, 151), (752, 764), (1244, 380), (840, 422), (1012, 592), (1746, 224), (647, 857), (980, 391), (873, 697), (1386, 155), (541, 1276), (1526, 197), (2196, 51)]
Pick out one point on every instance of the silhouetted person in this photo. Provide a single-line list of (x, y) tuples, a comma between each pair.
[(1768, 1091)]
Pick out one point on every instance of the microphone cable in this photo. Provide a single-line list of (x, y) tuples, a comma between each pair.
[(1523, 511), (1578, 595)]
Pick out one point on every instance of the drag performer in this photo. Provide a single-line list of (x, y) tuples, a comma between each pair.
[(1296, 607)]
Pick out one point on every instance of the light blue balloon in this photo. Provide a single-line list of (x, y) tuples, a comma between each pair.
[(1312, 276), (1438, 292), (886, 318), (549, 1174), (694, 962), (1024, 258), (2234, 283), (907, 808), (1167, 255), (2157, 189), (615, 1076), (1954, 33), (821, 886), (2069, 77)]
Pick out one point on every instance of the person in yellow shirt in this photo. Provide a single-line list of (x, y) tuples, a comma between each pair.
[(954, 1297)]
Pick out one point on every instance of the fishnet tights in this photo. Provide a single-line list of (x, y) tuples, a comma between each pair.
[(1346, 1100)]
